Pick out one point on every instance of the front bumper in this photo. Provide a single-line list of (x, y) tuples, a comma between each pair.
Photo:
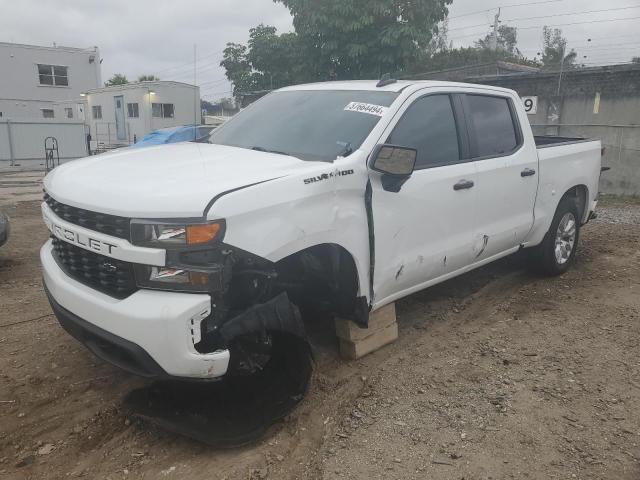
[(150, 333)]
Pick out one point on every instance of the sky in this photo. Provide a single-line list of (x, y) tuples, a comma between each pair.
[(138, 37)]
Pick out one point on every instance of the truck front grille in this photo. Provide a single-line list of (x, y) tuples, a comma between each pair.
[(107, 275), (100, 222)]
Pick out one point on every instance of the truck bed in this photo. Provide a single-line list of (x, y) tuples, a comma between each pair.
[(544, 141)]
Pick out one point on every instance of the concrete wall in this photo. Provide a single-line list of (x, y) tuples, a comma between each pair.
[(21, 94), (602, 103), (185, 99), (23, 140)]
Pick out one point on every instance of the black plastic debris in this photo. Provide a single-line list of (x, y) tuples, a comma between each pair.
[(236, 410)]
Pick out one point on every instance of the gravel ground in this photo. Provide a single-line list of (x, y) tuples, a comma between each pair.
[(498, 374), (614, 210)]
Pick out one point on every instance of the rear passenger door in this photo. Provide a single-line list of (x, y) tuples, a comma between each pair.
[(424, 230), (507, 176)]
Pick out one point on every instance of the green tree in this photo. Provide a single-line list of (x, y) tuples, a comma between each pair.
[(555, 49), (440, 40), (117, 79), (148, 78), (238, 69), (440, 57), (467, 57), (507, 40), (268, 61), (635, 60), (335, 39), (365, 38)]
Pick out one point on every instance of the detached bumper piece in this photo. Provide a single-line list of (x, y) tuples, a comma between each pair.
[(238, 409)]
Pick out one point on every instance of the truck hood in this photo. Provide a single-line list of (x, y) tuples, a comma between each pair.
[(168, 181)]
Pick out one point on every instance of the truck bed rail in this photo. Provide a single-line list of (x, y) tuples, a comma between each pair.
[(544, 141)]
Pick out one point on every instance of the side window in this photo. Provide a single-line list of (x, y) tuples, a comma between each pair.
[(493, 124), (429, 126)]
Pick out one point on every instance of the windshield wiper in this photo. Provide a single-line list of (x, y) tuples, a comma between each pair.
[(262, 149)]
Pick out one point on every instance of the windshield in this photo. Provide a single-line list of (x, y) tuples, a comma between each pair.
[(311, 125)]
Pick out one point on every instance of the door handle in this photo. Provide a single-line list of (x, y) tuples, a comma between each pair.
[(463, 185), (527, 172)]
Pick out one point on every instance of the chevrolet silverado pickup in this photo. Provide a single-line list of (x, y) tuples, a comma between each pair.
[(185, 260)]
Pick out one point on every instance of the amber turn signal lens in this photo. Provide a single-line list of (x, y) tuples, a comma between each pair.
[(199, 234), (198, 279)]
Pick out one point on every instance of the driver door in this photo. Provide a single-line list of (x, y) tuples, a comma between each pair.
[(424, 231)]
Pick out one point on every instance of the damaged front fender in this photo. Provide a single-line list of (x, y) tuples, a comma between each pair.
[(276, 315)]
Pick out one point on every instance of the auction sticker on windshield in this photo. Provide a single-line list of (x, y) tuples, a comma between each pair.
[(371, 109)]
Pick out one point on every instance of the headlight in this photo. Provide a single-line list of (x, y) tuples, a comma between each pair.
[(168, 235), (192, 262), (178, 279)]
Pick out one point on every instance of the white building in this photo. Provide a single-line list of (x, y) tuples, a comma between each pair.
[(121, 114), (46, 82)]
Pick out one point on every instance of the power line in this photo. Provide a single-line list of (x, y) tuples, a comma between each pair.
[(504, 6), (550, 16), (557, 25), (601, 63), (609, 50), (208, 91), (189, 64), (214, 83), (615, 36), (572, 13), (188, 74), (599, 45), (579, 23), (590, 48)]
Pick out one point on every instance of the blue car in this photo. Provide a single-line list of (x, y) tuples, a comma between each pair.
[(185, 133)]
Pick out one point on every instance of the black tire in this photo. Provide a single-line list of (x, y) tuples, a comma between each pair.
[(543, 258)]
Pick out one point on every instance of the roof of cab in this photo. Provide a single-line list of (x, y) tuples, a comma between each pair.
[(397, 86)]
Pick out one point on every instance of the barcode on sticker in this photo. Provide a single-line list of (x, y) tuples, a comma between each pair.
[(371, 109)]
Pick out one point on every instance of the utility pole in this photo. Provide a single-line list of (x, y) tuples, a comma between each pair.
[(196, 102), (494, 35), (562, 54)]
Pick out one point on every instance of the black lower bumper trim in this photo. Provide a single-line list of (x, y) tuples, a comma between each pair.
[(109, 347)]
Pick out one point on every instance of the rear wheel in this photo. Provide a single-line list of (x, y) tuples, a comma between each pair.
[(555, 254)]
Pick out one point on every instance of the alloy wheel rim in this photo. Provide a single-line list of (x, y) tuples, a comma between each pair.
[(565, 238)]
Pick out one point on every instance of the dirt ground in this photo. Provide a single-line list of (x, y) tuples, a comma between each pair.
[(498, 374)]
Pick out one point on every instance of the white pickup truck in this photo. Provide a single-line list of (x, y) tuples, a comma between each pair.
[(183, 260)]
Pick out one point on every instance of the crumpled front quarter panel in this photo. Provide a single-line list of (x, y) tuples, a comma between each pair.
[(323, 205)]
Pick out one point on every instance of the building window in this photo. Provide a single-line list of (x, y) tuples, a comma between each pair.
[(162, 110), (68, 112), (132, 110), (53, 75), (96, 111), (47, 113)]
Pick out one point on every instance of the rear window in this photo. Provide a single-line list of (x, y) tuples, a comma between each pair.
[(493, 124)]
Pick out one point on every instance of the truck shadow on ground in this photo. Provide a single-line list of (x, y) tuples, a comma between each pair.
[(238, 411)]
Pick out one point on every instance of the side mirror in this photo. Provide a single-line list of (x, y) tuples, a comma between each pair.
[(394, 160)]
